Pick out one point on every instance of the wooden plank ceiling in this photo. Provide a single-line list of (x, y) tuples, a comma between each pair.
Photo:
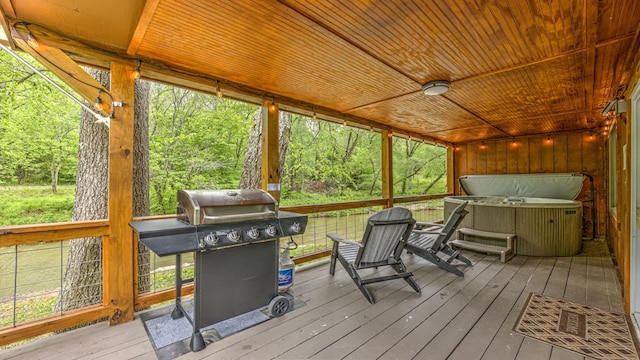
[(516, 67)]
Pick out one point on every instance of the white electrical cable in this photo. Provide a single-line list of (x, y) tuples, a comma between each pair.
[(101, 119)]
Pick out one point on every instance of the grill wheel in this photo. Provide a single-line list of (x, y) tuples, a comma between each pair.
[(278, 306)]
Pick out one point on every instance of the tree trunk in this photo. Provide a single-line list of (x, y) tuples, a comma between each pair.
[(250, 178), (141, 174), (283, 138), (55, 171), (252, 168), (431, 184), (82, 283)]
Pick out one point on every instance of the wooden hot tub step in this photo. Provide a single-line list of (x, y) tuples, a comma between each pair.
[(506, 252)]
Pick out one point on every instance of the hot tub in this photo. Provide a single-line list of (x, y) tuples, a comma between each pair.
[(543, 226)]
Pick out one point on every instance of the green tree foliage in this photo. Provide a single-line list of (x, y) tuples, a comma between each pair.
[(332, 159), (418, 168), (38, 128), (345, 162), (196, 141)]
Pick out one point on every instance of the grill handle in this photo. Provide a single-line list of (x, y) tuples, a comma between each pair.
[(233, 217)]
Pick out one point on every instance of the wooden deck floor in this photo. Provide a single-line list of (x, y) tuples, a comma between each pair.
[(454, 318)]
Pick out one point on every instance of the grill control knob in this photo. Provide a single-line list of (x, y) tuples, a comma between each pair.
[(270, 230), (253, 233), (295, 227), (233, 236), (211, 239)]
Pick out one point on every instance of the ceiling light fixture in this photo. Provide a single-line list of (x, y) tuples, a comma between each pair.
[(608, 107), (136, 72), (618, 105), (98, 103), (436, 87)]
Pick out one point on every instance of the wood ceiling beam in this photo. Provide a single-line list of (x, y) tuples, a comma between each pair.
[(92, 55), (543, 60), (477, 116), (520, 66), (351, 43), (65, 68), (143, 24)]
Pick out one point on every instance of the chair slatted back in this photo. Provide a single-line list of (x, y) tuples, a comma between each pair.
[(385, 236), (454, 220)]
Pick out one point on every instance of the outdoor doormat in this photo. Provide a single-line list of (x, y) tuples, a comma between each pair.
[(170, 338), (583, 329)]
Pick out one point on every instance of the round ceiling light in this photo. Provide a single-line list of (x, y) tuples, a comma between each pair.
[(436, 87)]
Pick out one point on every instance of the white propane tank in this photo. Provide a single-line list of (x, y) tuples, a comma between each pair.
[(285, 270)]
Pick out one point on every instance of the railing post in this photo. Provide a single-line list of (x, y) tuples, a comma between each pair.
[(118, 247), (387, 167), (270, 148), (451, 168)]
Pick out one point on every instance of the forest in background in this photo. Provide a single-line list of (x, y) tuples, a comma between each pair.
[(197, 141)]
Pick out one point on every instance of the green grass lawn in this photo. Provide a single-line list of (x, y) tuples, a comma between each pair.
[(22, 205)]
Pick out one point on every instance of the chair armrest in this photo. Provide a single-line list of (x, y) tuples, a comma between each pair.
[(338, 238), (429, 232), (422, 224)]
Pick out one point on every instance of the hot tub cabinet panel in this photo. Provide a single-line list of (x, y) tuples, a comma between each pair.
[(501, 219), (544, 227), (549, 231)]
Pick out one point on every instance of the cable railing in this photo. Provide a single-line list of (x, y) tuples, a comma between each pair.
[(34, 264)]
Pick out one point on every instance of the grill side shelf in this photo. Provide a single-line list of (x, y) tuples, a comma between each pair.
[(166, 236)]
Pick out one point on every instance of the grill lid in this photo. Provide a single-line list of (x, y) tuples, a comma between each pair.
[(197, 207)]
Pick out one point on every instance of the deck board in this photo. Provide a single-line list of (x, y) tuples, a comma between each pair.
[(487, 327), (447, 339), (468, 317), (506, 344)]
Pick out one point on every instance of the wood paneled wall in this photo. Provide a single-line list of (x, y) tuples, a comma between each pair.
[(580, 152)]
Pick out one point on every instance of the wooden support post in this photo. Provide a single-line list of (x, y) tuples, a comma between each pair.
[(118, 246), (271, 148), (451, 169), (387, 167)]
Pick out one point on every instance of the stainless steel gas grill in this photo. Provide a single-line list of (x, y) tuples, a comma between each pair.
[(234, 234)]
